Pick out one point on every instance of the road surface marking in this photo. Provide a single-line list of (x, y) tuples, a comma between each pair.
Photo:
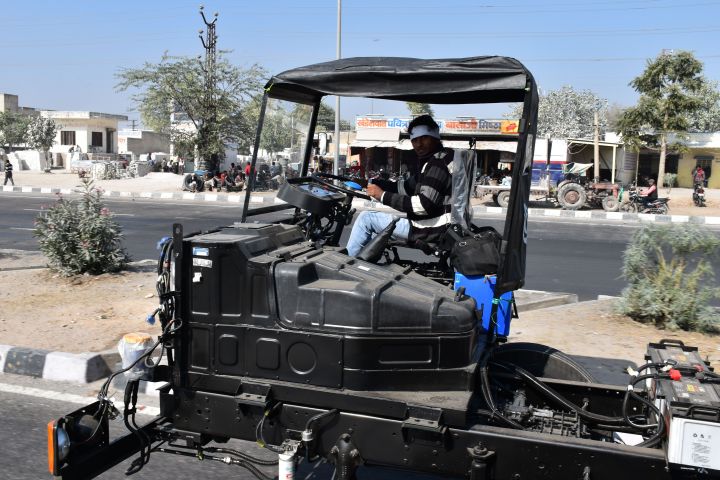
[(65, 397), (22, 228)]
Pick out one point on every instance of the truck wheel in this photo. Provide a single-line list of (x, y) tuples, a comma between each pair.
[(503, 199), (572, 196), (610, 203), (542, 361)]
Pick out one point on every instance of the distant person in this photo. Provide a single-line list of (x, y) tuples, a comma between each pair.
[(181, 165), (8, 173), (247, 170), (698, 176), (650, 193)]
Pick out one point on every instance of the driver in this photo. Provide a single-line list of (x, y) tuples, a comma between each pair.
[(424, 197)]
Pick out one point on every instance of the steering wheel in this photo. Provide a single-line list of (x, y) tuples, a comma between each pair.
[(324, 178)]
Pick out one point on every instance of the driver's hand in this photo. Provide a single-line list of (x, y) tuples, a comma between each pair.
[(375, 191)]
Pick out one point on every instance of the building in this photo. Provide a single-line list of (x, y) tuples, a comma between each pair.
[(93, 132), (137, 142), (383, 143)]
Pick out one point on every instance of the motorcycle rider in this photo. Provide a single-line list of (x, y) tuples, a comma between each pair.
[(699, 176), (649, 194)]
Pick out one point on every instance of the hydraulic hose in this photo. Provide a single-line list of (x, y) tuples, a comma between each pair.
[(588, 416)]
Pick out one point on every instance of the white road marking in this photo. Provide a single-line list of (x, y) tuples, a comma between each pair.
[(65, 397), (22, 228)]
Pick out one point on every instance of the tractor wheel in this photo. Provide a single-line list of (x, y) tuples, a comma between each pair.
[(503, 199), (610, 203), (542, 361), (572, 196)]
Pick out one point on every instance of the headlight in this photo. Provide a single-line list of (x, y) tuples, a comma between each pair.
[(58, 445)]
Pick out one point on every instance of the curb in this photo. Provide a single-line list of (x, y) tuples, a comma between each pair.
[(206, 197), (575, 214), (58, 366), (366, 204), (89, 367)]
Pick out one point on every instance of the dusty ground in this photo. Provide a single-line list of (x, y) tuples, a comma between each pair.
[(42, 310)]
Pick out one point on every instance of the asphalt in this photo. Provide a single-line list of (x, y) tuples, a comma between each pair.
[(91, 366)]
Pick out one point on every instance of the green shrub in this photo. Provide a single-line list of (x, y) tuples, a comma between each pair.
[(670, 180), (670, 278), (80, 236)]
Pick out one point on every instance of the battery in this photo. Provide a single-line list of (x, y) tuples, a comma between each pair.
[(689, 406)]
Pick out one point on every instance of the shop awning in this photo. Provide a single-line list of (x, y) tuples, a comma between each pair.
[(405, 144)]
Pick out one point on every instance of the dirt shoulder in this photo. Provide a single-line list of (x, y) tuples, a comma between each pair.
[(40, 309)]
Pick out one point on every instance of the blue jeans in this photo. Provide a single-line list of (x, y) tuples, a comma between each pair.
[(369, 224)]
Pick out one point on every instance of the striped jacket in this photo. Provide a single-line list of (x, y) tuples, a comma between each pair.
[(425, 198)]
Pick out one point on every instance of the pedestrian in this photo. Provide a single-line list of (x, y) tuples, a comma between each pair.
[(8, 173), (424, 197), (181, 165)]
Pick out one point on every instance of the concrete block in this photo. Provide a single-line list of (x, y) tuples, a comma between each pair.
[(81, 367), (4, 349), (25, 361)]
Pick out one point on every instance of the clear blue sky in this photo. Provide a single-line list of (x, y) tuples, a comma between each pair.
[(64, 55)]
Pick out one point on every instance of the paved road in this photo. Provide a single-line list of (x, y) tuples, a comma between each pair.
[(573, 256), (24, 440)]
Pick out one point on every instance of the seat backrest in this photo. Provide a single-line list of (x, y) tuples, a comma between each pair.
[(462, 168)]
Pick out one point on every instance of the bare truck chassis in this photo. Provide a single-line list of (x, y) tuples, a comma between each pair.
[(273, 334)]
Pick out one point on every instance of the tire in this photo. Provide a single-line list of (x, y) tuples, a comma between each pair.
[(542, 361), (663, 209), (503, 199), (610, 203), (187, 180), (628, 207), (571, 196)]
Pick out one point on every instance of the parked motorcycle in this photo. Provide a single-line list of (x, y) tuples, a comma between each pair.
[(699, 195), (638, 204)]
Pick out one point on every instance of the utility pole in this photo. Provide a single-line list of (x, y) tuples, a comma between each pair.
[(210, 117), (596, 150), (337, 98), (133, 124)]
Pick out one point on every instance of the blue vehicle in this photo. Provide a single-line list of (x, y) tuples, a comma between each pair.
[(541, 168)]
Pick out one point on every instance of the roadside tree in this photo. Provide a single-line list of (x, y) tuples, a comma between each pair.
[(41, 133), (567, 113), (13, 128), (417, 109), (179, 85), (669, 93), (706, 119)]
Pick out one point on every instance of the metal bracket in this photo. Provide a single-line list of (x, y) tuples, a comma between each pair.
[(254, 394), (425, 419)]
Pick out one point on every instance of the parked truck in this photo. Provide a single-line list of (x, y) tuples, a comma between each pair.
[(273, 334)]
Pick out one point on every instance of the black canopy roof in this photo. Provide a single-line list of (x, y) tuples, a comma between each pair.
[(489, 79)]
